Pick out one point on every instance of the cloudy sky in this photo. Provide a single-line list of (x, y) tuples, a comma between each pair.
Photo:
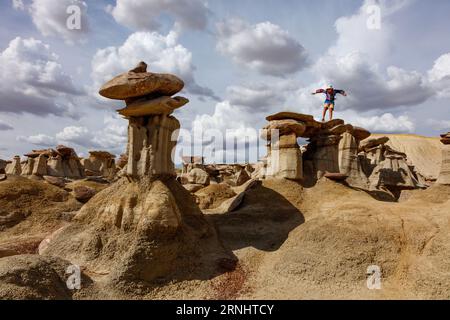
[(240, 59)]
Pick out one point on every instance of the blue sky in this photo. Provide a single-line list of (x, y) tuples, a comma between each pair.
[(241, 60)]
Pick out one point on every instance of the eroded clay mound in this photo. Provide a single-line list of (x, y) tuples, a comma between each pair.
[(29, 211), (347, 231), (141, 231), (214, 195), (32, 277)]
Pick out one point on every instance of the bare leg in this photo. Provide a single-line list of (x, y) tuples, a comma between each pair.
[(331, 113), (324, 113)]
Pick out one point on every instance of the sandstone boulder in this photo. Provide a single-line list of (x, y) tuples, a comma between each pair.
[(56, 181), (83, 193), (198, 176), (192, 188), (241, 177)]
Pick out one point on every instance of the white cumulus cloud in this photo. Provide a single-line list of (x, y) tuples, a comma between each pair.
[(50, 18), (33, 81), (161, 53), (41, 140), (146, 14), (264, 47), (386, 123)]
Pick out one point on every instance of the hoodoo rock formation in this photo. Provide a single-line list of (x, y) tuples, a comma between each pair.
[(14, 167), (332, 148), (99, 163), (152, 131), (444, 175), (387, 167), (145, 226), (283, 152), (336, 150)]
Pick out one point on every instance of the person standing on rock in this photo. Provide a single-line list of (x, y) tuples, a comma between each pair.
[(330, 93)]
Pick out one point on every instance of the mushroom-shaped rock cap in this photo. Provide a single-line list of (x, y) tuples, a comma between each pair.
[(138, 83), (285, 127), (361, 133), (101, 154), (291, 115), (372, 143)]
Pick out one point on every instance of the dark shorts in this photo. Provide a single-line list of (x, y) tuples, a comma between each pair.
[(329, 104)]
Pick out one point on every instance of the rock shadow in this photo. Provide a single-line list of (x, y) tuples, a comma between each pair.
[(263, 221)]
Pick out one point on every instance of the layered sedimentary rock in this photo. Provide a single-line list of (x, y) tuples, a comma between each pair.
[(444, 175), (99, 163), (386, 167), (59, 162), (152, 140), (3, 165), (152, 131), (349, 163), (338, 151), (284, 159), (333, 148), (14, 168)]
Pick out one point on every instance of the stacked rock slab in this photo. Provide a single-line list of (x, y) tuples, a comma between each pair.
[(152, 131), (444, 175)]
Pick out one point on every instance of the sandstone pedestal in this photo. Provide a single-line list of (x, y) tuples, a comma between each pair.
[(14, 168), (444, 175), (151, 143), (349, 163), (284, 157)]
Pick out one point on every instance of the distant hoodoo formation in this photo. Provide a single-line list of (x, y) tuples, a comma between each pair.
[(444, 175), (62, 162), (59, 162), (152, 132)]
